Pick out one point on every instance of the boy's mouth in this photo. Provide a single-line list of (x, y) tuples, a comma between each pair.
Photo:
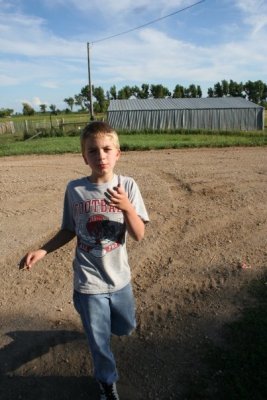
[(102, 166)]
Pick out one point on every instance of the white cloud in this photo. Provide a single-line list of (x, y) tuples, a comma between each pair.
[(153, 55), (6, 80), (37, 101), (49, 84), (5, 5), (28, 36), (22, 101), (37, 60), (255, 13), (113, 7)]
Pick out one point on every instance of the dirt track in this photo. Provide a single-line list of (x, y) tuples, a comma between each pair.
[(208, 219)]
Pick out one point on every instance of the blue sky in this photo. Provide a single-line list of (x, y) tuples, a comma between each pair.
[(43, 52)]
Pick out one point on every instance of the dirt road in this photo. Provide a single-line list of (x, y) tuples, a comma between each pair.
[(208, 220)]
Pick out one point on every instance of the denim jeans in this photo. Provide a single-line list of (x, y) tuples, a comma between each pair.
[(103, 315)]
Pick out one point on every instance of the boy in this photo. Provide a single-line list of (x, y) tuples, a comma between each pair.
[(100, 209)]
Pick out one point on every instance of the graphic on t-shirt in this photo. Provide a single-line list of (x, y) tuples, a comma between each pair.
[(100, 235)]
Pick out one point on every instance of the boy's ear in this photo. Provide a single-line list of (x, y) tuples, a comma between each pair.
[(84, 158), (118, 154)]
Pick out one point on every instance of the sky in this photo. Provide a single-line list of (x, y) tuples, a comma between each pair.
[(43, 46)]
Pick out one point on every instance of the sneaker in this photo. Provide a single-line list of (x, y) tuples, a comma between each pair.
[(108, 392)]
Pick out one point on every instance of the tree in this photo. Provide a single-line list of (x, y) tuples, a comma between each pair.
[(78, 100), (136, 92), (218, 90), (235, 89), (113, 92), (53, 109), (225, 87), (27, 109), (144, 91), (210, 92), (191, 91), (43, 108), (199, 91), (70, 102), (86, 96), (5, 112), (256, 91), (178, 92), (82, 99), (101, 102), (159, 91), (125, 93)]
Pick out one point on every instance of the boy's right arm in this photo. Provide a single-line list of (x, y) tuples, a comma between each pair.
[(62, 237)]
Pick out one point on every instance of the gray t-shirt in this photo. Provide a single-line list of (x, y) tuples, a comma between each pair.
[(101, 262)]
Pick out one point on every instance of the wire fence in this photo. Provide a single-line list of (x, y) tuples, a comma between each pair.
[(7, 127), (30, 127)]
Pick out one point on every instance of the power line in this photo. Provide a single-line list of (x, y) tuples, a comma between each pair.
[(123, 33), (148, 23)]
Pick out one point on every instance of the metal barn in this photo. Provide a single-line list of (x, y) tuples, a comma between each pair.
[(224, 114)]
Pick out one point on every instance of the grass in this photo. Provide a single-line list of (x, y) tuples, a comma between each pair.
[(15, 145), (182, 140), (50, 145), (238, 369)]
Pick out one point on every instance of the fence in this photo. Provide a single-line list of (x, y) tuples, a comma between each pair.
[(35, 126), (7, 127)]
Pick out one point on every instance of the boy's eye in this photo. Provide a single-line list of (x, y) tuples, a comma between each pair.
[(105, 149)]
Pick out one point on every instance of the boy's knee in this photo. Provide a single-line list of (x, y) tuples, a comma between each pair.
[(124, 330)]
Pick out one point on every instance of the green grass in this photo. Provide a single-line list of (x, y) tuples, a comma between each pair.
[(163, 141), (14, 145), (51, 145)]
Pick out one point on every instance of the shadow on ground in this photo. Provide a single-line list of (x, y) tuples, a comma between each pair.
[(21, 368)]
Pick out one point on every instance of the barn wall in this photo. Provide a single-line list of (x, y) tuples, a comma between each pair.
[(210, 119)]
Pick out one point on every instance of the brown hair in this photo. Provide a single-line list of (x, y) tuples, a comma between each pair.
[(96, 128)]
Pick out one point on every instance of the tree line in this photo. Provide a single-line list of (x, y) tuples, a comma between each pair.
[(255, 91)]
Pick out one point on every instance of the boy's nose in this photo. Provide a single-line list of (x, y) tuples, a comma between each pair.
[(101, 154)]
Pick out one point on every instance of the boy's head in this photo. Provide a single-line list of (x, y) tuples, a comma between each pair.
[(98, 128)]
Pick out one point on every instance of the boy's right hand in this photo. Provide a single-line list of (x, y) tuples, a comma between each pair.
[(31, 258)]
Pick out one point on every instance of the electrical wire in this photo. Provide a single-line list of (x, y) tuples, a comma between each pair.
[(148, 23)]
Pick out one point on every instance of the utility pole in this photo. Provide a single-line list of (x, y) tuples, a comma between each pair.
[(90, 83)]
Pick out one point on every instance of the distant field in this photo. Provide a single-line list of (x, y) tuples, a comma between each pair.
[(14, 145), (57, 134), (72, 117)]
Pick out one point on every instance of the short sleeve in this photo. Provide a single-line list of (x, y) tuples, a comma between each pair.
[(135, 198), (67, 218)]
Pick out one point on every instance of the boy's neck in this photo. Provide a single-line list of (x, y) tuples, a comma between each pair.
[(101, 179)]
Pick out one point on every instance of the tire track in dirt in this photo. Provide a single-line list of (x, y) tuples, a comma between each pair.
[(186, 239)]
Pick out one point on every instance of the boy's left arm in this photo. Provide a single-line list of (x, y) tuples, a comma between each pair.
[(135, 225)]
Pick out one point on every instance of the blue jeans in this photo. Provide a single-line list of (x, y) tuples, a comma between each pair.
[(103, 315)]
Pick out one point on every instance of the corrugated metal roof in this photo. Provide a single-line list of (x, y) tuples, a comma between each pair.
[(181, 103)]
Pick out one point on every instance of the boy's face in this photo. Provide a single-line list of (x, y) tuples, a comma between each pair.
[(101, 154)]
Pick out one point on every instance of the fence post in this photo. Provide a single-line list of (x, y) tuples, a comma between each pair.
[(61, 125), (26, 126), (12, 127)]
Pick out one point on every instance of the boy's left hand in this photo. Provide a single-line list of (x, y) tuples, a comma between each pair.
[(118, 198), (134, 224)]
